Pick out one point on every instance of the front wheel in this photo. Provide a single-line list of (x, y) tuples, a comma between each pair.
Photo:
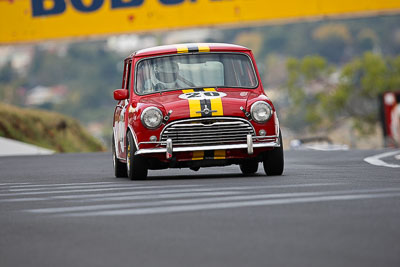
[(249, 167), (135, 164), (273, 160)]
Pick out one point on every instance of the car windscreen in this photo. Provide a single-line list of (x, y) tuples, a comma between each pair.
[(194, 71)]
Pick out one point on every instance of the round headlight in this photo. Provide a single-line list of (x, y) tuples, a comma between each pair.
[(261, 111), (151, 117)]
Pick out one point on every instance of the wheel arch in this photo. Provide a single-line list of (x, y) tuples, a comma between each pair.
[(130, 129)]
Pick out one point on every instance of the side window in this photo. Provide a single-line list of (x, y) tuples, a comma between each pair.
[(127, 77), (124, 74)]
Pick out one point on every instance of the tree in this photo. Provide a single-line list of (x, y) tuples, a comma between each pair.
[(317, 100), (307, 81), (361, 82)]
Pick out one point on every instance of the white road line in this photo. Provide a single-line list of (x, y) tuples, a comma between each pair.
[(131, 193), (116, 196), (142, 204), (136, 197), (25, 199), (181, 195), (152, 192), (68, 187), (104, 196), (221, 198), (161, 196), (101, 186), (377, 159), (51, 185), (212, 206), (65, 191), (90, 189), (11, 184)]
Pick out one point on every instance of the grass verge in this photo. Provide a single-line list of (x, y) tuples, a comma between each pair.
[(46, 129)]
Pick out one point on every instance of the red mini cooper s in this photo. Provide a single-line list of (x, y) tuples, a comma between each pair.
[(193, 106)]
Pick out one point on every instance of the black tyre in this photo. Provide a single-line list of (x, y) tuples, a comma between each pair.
[(273, 160), (119, 167), (249, 167), (135, 165)]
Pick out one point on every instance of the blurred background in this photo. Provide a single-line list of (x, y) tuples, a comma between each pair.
[(326, 77)]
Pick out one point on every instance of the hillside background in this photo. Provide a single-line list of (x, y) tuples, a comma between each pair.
[(46, 129), (324, 76)]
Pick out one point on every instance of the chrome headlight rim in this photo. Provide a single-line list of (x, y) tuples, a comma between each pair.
[(145, 111), (252, 110)]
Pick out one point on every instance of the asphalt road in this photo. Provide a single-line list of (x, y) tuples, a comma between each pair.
[(328, 209)]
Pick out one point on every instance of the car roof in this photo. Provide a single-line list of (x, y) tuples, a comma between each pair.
[(188, 48)]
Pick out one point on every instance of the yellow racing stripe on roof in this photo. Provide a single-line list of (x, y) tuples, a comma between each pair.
[(182, 49), (204, 48), (192, 48)]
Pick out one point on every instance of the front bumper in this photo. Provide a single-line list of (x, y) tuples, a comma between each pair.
[(251, 143)]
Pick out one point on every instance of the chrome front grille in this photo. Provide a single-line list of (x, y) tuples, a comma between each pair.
[(207, 131)]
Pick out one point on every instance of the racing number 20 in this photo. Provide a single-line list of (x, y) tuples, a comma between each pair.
[(198, 94)]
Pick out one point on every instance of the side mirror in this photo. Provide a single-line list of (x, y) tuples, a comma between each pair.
[(121, 94)]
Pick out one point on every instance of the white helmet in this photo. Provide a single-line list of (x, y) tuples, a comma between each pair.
[(166, 72)]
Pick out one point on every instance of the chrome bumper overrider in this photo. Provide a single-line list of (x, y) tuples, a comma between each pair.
[(169, 149)]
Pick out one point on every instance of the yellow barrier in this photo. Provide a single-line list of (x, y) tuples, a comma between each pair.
[(35, 20)]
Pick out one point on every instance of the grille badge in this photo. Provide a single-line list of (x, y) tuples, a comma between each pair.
[(206, 110)]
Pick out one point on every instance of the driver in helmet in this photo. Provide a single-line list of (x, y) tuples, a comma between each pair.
[(166, 75)]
